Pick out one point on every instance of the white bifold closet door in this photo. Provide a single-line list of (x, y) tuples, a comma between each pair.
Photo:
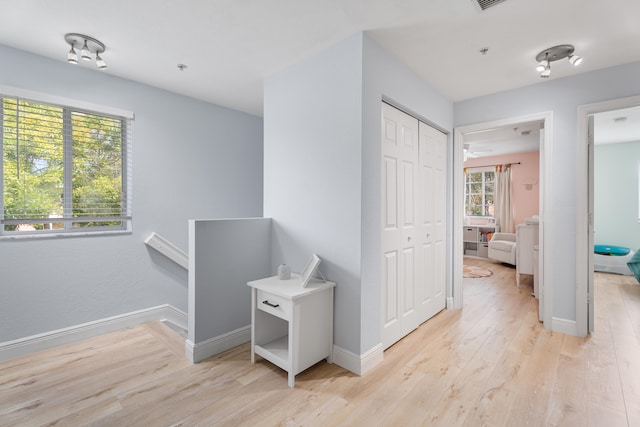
[(414, 158)]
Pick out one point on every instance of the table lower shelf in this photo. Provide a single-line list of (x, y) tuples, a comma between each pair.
[(276, 352)]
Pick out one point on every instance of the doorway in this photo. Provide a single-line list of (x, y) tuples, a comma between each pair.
[(461, 137), (585, 318)]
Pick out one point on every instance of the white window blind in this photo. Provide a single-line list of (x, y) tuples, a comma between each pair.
[(64, 169)]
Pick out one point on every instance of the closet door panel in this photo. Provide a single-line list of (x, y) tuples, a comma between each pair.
[(413, 223), (433, 144), (390, 288)]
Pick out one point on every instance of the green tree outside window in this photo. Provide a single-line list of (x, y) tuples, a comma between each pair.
[(479, 189), (62, 168)]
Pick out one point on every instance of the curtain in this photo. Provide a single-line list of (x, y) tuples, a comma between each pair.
[(503, 209)]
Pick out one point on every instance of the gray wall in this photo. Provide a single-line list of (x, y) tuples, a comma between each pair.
[(562, 97), (615, 188), (191, 159), (323, 170), (312, 145), (228, 254)]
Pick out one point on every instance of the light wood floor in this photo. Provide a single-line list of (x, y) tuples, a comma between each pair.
[(491, 363)]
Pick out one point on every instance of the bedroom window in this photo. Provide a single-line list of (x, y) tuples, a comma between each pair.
[(479, 188), (64, 170)]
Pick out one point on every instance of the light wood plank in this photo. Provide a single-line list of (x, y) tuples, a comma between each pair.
[(491, 363), (599, 416)]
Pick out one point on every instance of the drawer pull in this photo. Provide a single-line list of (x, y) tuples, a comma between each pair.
[(269, 304)]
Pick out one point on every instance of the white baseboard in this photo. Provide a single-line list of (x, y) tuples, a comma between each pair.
[(569, 327), (358, 364), (450, 303), (200, 351), (33, 343)]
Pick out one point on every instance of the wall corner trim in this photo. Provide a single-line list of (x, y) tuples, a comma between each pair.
[(33, 343), (197, 352), (358, 364)]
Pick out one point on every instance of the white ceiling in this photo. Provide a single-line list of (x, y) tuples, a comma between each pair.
[(617, 126), (231, 46), (521, 138)]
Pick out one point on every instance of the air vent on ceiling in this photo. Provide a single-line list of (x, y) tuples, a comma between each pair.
[(486, 4)]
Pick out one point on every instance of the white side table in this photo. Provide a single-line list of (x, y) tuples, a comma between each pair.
[(291, 326)]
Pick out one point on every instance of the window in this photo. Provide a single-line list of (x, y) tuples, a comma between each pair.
[(479, 188), (64, 169)]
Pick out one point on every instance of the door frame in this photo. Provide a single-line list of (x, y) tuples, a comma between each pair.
[(546, 220), (585, 319)]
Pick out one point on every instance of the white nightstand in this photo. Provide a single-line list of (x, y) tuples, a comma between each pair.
[(291, 326)]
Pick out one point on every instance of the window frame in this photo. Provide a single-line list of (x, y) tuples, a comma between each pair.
[(70, 106), (483, 171)]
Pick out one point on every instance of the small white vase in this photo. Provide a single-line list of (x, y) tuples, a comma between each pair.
[(284, 272)]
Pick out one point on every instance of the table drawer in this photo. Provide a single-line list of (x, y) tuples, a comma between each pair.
[(273, 304)]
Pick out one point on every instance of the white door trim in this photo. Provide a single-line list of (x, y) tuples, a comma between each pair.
[(584, 169), (546, 220)]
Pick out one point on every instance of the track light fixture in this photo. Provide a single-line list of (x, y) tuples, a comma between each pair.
[(546, 73), (555, 53), (542, 65), (100, 62), (89, 47), (85, 54), (575, 60), (72, 56)]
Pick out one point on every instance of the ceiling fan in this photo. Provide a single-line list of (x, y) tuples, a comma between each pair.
[(468, 153)]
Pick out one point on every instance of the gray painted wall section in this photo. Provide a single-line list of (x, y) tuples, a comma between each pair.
[(616, 191), (191, 159), (312, 173), (562, 97), (228, 254)]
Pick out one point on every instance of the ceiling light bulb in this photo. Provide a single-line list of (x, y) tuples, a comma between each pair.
[(100, 62), (575, 60), (85, 54), (546, 72), (72, 57), (542, 65)]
